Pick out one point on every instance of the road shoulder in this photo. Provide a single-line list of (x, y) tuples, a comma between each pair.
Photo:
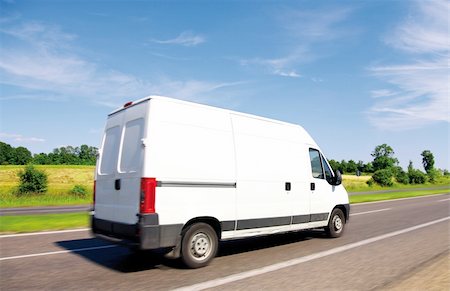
[(433, 275)]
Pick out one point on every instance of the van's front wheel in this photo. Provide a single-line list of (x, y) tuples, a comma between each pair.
[(336, 223), (199, 245)]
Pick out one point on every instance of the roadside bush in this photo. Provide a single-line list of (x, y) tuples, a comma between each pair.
[(79, 191), (383, 177), (402, 177), (32, 180), (434, 175), (417, 177)]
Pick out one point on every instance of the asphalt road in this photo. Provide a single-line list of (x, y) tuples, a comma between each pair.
[(384, 243)]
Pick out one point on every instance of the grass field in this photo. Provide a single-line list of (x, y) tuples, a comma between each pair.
[(61, 179)]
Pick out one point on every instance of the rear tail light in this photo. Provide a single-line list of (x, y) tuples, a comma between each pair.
[(148, 190)]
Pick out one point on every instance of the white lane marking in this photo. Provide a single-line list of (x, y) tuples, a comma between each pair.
[(399, 199), (44, 232), (58, 252), (275, 267), (448, 199), (372, 211)]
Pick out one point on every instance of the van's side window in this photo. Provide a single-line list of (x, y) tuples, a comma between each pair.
[(316, 164)]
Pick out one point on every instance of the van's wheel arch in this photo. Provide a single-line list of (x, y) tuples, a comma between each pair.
[(336, 224), (199, 245)]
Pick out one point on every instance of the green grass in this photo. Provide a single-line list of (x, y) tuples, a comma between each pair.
[(42, 222), (358, 184), (61, 179), (394, 195)]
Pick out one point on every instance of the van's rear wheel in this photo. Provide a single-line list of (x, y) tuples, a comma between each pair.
[(336, 223), (199, 245)]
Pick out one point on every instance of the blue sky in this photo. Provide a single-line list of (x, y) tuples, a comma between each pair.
[(355, 74)]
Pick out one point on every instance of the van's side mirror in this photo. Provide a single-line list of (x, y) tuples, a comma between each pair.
[(337, 178)]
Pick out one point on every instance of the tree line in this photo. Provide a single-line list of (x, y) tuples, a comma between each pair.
[(68, 155), (385, 168)]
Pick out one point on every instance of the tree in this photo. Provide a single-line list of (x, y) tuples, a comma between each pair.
[(428, 161), (22, 156), (343, 168), (360, 166), (352, 166), (6, 153), (383, 157), (410, 166), (87, 155), (41, 159), (368, 168)]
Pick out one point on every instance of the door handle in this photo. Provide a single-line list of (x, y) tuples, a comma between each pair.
[(313, 186), (117, 184), (287, 186)]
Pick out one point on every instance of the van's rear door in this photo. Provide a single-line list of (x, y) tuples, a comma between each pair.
[(119, 168)]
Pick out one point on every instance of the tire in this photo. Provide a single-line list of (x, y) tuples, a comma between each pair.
[(199, 245), (336, 224)]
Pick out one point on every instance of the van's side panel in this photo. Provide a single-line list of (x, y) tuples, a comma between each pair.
[(268, 155), (194, 162)]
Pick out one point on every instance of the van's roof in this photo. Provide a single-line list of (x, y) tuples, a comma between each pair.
[(128, 105)]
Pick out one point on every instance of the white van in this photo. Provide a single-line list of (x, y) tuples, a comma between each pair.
[(180, 176)]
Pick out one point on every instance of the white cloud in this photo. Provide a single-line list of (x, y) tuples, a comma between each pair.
[(279, 67), (382, 93), (315, 25), (186, 38), (421, 96), (303, 30), (47, 65), (20, 138), (42, 59), (290, 73), (192, 90)]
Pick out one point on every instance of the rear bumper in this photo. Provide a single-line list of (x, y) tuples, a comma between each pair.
[(147, 234)]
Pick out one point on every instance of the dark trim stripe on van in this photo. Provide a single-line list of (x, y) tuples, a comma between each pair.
[(272, 221), (195, 184)]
